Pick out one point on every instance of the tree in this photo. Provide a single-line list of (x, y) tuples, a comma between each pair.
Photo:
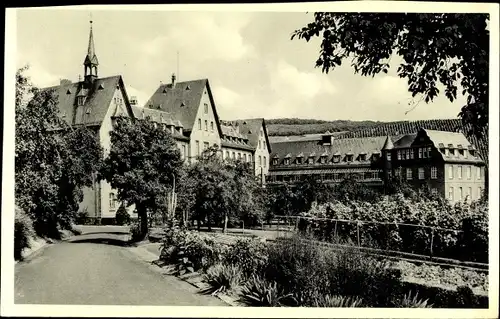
[(450, 48), (54, 161), (142, 164)]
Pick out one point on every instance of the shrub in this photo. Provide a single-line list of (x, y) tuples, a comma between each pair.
[(338, 301), (250, 255), (82, 218), (413, 302), (135, 230), (258, 292), (222, 277), (23, 231), (192, 251), (122, 216)]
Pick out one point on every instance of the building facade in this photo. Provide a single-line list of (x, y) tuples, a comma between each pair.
[(186, 109), (443, 161)]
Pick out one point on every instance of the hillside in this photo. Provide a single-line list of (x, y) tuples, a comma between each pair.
[(294, 126)]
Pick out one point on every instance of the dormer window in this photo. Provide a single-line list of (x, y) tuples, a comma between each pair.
[(336, 158), (323, 159), (80, 100), (349, 157), (287, 161), (311, 160), (362, 157), (275, 161), (375, 156)]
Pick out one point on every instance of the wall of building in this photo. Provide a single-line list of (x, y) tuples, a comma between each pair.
[(184, 149), (261, 155), (88, 202), (205, 134), (469, 184)]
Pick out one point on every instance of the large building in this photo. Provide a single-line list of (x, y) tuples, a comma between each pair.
[(186, 109), (444, 161)]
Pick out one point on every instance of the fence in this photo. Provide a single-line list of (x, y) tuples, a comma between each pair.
[(407, 239)]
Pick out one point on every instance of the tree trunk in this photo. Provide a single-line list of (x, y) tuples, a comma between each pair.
[(209, 224), (143, 216), (225, 223)]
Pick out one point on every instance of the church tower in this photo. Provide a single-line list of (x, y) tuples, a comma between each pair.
[(91, 61), (387, 159)]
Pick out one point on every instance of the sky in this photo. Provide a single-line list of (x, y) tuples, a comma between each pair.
[(253, 67)]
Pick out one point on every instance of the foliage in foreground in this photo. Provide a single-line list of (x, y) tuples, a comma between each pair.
[(23, 231), (53, 160), (223, 277), (470, 220)]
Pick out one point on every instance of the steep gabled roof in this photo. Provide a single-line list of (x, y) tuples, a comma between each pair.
[(447, 138), (98, 99), (251, 127), (182, 101)]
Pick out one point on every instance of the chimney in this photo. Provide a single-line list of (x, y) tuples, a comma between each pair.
[(173, 80), (133, 100), (65, 82)]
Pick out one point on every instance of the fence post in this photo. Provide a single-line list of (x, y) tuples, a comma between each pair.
[(335, 230), (357, 232), (296, 223), (432, 240)]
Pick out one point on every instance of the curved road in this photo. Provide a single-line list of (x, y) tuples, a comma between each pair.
[(98, 274)]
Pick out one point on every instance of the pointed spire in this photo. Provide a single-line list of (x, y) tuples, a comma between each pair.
[(91, 61), (388, 145)]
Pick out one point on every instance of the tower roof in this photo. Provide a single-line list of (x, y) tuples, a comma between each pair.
[(388, 145), (91, 57)]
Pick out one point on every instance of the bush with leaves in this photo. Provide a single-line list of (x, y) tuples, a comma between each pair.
[(23, 232), (250, 255), (328, 301), (223, 278), (122, 216), (259, 292), (410, 301)]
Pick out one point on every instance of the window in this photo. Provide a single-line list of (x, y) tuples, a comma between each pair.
[(227, 154), (411, 153), (460, 193), (233, 155), (349, 158), (199, 124), (311, 160), (336, 176), (245, 157), (183, 153), (336, 158), (421, 173), (408, 174), (198, 148), (450, 171), (469, 172), (249, 157), (403, 157), (397, 172), (434, 172), (362, 157), (264, 161), (112, 200), (399, 155), (81, 100), (450, 193), (478, 172), (239, 156), (459, 172), (469, 194), (260, 160), (275, 161), (419, 152), (206, 125), (479, 192), (407, 154), (429, 150), (264, 144), (465, 153), (205, 145), (374, 175), (323, 159), (388, 156), (212, 126), (287, 161), (446, 152), (206, 108)]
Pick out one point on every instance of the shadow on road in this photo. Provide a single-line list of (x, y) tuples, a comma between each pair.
[(106, 241)]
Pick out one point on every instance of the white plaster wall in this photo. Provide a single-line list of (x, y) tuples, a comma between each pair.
[(202, 136), (262, 151)]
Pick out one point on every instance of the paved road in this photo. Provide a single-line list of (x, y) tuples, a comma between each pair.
[(99, 274)]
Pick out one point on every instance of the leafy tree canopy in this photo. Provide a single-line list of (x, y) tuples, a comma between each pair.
[(54, 161), (451, 49), (142, 164)]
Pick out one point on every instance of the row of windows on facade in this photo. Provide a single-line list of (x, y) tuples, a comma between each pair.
[(375, 175), (461, 196), (433, 172), (425, 152), (166, 127), (234, 155), (323, 159), (420, 170), (459, 169)]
